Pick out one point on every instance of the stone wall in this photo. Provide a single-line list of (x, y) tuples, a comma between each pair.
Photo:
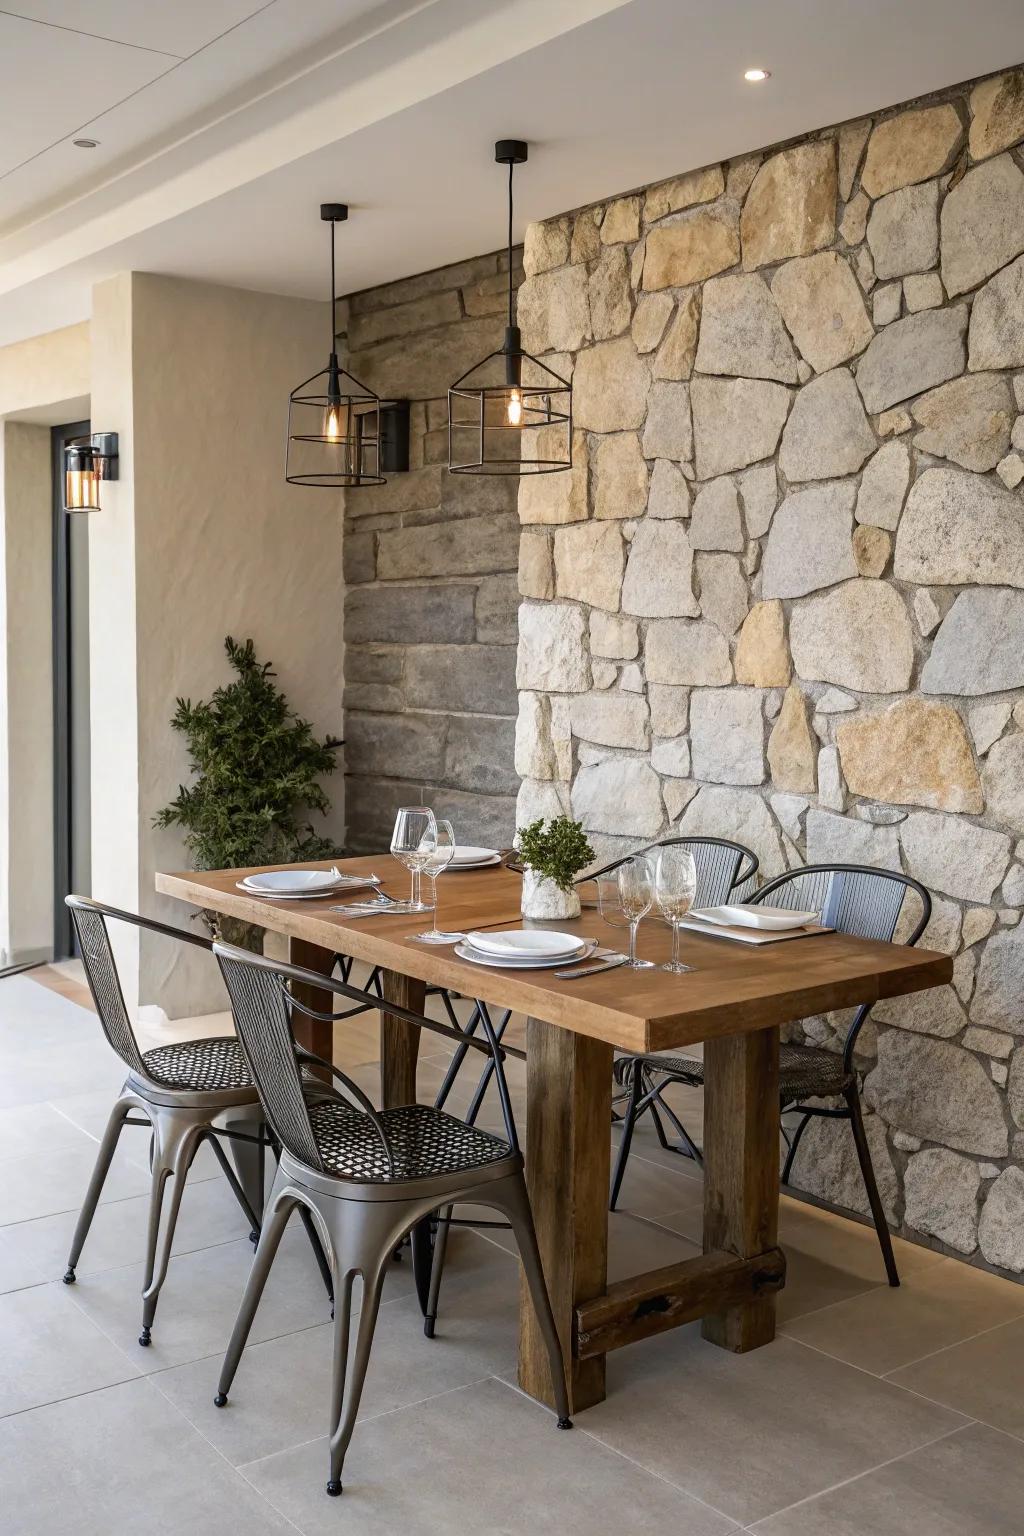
[(430, 562), (780, 597)]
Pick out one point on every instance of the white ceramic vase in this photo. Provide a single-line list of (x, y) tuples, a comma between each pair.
[(543, 898)]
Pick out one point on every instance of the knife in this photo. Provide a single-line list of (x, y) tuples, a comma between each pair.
[(592, 970)]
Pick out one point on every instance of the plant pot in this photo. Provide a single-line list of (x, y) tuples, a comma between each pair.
[(543, 898)]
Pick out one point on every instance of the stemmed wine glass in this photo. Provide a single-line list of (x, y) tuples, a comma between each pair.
[(412, 843), (635, 879), (675, 886), (440, 856)]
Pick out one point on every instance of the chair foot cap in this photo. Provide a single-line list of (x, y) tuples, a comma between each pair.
[(565, 1423), (145, 1338), (220, 1401), (428, 1326), (69, 1275), (254, 1237), (334, 1488)]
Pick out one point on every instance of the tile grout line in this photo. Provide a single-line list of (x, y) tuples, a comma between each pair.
[(856, 1477), (969, 1339)]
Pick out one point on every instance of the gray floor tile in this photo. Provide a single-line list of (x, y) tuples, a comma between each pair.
[(24, 1128), (34, 1252), (981, 1377), (199, 1301), (753, 1433), (281, 1393), (481, 1459), (970, 1483), (49, 1350), (118, 1461), (56, 1179), (933, 1308)]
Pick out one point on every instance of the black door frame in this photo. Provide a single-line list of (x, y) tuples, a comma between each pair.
[(63, 934)]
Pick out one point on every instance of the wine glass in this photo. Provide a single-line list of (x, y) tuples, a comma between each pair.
[(440, 856), (675, 886), (636, 896), (412, 843)]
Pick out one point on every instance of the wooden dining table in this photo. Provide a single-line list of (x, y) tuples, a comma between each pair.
[(733, 1000)]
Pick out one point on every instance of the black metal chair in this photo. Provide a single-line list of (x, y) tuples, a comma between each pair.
[(188, 1093), (366, 1177), (851, 898)]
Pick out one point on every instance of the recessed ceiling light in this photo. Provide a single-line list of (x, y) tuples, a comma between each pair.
[(86, 143), (756, 75)]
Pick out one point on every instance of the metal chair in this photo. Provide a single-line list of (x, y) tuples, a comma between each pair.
[(189, 1092), (366, 1177), (851, 898)]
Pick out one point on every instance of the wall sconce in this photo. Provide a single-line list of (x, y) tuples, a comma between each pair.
[(87, 461)]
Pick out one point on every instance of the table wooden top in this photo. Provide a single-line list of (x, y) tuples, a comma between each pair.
[(734, 988)]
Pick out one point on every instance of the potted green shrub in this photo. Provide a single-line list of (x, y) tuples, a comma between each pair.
[(552, 855), (257, 767)]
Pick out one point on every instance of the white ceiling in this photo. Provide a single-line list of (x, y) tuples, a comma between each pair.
[(224, 123)]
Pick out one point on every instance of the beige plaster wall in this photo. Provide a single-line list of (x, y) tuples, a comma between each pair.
[(45, 370), (200, 538), (26, 692)]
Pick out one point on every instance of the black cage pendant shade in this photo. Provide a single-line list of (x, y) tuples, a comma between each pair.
[(333, 420), (511, 414)]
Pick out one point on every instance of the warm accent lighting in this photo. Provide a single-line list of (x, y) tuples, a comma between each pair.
[(334, 422), (510, 414), (754, 76), (87, 461)]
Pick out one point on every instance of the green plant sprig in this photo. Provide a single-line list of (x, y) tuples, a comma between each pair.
[(557, 851)]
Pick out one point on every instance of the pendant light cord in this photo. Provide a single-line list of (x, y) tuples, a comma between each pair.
[(334, 301), (511, 301)]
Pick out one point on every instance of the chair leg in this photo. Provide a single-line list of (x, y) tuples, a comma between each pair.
[(173, 1161), (628, 1126), (514, 1201), (248, 1160), (437, 1269), (422, 1261), (318, 1252), (860, 1140), (787, 1167), (348, 1379), (104, 1157), (266, 1249), (251, 1215)]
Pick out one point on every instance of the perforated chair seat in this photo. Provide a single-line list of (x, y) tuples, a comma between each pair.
[(199, 1066), (424, 1142), (805, 1071)]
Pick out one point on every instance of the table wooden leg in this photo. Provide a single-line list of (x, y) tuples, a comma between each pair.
[(314, 1034), (741, 1171), (568, 1118), (399, 1041)]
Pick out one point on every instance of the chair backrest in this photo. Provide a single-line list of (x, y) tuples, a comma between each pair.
[(851, 898), (90, 923), (264, 1004), (721, 866), (261, 1006)]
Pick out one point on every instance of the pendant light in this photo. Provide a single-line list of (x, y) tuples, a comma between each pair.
[(510, 414), (333, 420)]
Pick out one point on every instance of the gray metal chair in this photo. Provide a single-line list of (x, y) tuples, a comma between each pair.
[(366, 1177), (851, 898), (188, 1093)]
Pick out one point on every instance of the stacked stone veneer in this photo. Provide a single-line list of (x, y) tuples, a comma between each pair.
[(430, 562), (780, 597)]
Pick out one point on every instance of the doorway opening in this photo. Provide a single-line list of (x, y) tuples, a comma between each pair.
[(71, 791)]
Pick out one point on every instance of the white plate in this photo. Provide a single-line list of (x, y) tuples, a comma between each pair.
[(292, 882), (467, 952), (315, 892), (770, 919), (456, 865), (527, 944), (465, 853)]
